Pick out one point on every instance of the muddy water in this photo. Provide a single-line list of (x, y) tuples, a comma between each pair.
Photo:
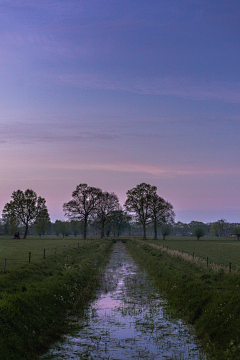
[(127, 319)]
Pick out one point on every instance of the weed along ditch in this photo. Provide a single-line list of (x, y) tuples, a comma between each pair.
[(127, 318)]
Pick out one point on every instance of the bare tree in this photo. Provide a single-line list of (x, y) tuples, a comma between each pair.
[(83, 205)]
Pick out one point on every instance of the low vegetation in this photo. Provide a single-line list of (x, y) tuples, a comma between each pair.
[(37, 299), (206, 298)]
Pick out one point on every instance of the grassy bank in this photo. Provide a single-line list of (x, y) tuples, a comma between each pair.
[(207, 299), (36, 299)]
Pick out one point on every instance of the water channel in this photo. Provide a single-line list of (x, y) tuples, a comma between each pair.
[(128, 318)]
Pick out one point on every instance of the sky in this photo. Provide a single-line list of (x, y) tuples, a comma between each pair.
[(115, 93)]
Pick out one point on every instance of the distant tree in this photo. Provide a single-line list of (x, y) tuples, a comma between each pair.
[(215, 229), (42, 223), (120, 221), (166, 230), (74, 226), (236, 231), (61, 227), (161, 212), (223, 224), (56, 227), (139, 202), (198, 232), (41, 227), (105, 207), (25, 207), (83, 205)]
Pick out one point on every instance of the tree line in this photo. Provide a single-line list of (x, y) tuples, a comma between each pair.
[(93, 211), (88, 206)]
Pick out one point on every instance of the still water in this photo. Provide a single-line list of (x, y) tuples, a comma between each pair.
[(127, 319)]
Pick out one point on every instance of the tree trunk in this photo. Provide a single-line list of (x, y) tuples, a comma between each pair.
[(144, 232), (102, 230), (164, 237), (85, 229), (26, 231), (155, 230), (198, 238)]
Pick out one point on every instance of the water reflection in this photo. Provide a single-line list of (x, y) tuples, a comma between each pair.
[(128, 319)]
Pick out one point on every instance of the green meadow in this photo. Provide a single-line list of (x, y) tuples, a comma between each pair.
[(219, 250), (17, 251)]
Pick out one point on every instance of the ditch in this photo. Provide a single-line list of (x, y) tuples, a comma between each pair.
[(128, 318)]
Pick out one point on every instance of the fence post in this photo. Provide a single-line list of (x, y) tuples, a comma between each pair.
[(230, 267), (44, 253), (182, 252), (78, 243), (193, 255), (4, 267), (29, 257), (207, 261), (64, 247)]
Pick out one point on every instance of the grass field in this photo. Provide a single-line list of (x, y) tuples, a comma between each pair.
[(218, 250), (17, 251)]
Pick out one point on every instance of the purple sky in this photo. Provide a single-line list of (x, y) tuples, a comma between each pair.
[(115, 93)]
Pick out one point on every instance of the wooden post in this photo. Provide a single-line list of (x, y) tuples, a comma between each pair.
[(182, 252), (230, 267), (29, 257), (64, 247), (44, 254), (78, 243), (193, 255), (207, 261), (4, 267)]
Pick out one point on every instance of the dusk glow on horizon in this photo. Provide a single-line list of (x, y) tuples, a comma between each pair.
[(116, 93)]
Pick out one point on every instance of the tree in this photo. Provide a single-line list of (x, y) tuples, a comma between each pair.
[(166, 230), (236, 231), (198, 232), (120, 220), (215, 229), (139, 201), (61, 227), (25, 207), (161, 212), (83, 205), (106, 205), (149, 207), (42, 223)]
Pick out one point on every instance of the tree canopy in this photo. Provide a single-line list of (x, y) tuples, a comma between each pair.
[(25, 208), (83, 205), (149, 207)]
